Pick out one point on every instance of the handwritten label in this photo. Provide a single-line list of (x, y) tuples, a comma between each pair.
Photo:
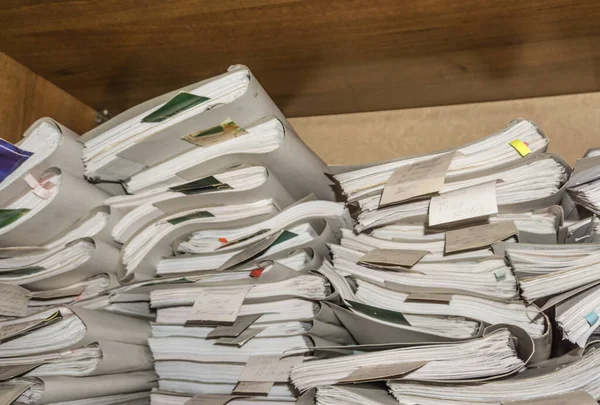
[(253, 388), (240, 325), (570, 398), (13, 300), (240, 340), (218, 305), (223, 132), (521, 147), (429, 297), (207, 399), (479, 236), (269, 368), (393, 257), (463, 204), (382, 371), (416, 179)]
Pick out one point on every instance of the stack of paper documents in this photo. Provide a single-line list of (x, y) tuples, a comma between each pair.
[(66, 354)]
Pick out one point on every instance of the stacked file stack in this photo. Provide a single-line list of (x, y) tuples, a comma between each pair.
[(228, 214), (56, 249), (437, 310), (54, 230)]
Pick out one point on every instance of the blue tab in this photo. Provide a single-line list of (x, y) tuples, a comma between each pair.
[(591, 318), (11, 157), (500, 274)]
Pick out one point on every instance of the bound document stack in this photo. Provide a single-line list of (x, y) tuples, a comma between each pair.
[(68, 354), (228, 215)]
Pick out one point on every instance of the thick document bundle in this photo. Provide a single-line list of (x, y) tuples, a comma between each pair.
[(203, 128)]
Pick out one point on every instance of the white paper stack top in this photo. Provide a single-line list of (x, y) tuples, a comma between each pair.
[(490, 356), (100, 151), (532, 180), (262, 137), (140, 208), (578, 316), (143, 242), (557, 381), (587, 195), (547, 270), (489, 153)]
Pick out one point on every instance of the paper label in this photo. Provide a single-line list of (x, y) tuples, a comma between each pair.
[(218, 305), (240, 340), (382, 371), (379, 313), (240, 325), (393, 257), (207, 399), (223, 132), (204, 185), (417, 179), (8, 216), (181, 102), (13, 300), (479, 236), (570, 398), (189, 217), (520, 147), (269, 368), (429, 297), (463, 204), (253, 388), (11, 390)]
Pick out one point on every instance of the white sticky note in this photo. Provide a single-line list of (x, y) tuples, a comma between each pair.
[(416, 179), (463, 204), (269, 368), (218, 305)]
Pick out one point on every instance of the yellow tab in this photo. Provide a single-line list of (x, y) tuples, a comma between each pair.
[(521, 147)]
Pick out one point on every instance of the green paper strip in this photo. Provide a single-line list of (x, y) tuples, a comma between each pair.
[(181, 102), (7, 217), (188, 217), (203, 185), (379, 313)]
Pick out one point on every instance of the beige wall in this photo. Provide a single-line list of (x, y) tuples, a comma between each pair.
[(571, 122)]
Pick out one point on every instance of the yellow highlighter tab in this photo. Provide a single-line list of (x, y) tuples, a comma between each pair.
[(521, 147)]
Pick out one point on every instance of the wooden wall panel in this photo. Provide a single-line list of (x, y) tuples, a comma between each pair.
[(26, 97), (313, 56), (572, 123)]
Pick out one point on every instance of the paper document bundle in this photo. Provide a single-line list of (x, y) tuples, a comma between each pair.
[(193, 250)]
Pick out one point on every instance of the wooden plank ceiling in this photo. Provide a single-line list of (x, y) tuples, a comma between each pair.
[(314, 57)]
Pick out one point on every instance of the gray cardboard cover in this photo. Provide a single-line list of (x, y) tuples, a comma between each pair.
[(75, 198), (104, 259), (62, 389), (104, 326), (120, 357), (367, 331), (339, 169)]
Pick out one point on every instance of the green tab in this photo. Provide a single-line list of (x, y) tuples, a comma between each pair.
[(181, 102), (285, 235), (217, 134), (203, 185), (188, 217), (7, 217), (382, 314)]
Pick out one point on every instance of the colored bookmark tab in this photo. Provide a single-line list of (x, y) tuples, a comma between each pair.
[(225, 131), (591, 318), (521, 147), (181, 102), (11, 157), (40, 188), (500, 274)]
